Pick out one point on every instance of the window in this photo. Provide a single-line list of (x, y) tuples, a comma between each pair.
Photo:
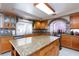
[(58, 25)]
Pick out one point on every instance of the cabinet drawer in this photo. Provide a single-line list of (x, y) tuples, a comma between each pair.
[(5, 39)]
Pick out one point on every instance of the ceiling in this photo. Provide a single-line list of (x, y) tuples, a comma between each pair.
[(29, 11)]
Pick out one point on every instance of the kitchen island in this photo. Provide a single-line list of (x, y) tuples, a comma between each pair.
[(35, 46)]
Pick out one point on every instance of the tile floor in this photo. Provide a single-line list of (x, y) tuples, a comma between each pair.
[(63, 52), (6, 54), (68, 52)]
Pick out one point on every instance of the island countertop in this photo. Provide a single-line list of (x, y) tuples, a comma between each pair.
[(27, 46)]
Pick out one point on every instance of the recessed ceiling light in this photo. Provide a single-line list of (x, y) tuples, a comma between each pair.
[(45, 8)]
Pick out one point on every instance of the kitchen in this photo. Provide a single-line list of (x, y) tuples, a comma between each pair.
[(32, 32)]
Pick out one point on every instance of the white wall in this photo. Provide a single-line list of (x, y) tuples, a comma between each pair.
[(66, 17), (0, 5)]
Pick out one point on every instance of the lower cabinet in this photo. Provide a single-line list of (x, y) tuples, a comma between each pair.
[(66, 41), (5, 47), (0, 48), (75, 43), (50, 50), (4, 44), (53, 52), (70, 41)]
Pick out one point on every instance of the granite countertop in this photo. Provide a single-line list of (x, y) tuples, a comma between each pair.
[(71, 35), (27, 46), (12, 35)]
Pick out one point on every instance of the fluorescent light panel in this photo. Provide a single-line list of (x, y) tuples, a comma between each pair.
[(44, 8)]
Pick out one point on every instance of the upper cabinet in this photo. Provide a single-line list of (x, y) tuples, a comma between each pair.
[(7, 21), (7, 24), (74, 21), (40, 24), (1, 21), (13, 21)]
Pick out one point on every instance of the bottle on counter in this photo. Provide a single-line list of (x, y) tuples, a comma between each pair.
[(72, 33)]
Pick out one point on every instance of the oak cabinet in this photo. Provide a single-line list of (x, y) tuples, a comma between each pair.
[(1, 21), (5, 44), (74, 21), (0, 48), (13, 22), (50, 50), (5, 47), (6, 22), (70, 41), (66, 41), (75, 43), (7, 25)]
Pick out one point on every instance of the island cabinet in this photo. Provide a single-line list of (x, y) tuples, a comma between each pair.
[(70, 41), (50, 50), (5, 44)]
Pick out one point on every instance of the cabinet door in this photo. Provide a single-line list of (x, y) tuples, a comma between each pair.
[(66, 41), (1, 21), (55, 49), (5, 39), (5, 44), (5, 47), (74, 20), (13, 22), (75, 43), (53, 52), (6, 21), (50, 50), (0, 48), (45, 50)]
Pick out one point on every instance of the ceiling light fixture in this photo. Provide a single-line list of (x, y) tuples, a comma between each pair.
[(43, 7)]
